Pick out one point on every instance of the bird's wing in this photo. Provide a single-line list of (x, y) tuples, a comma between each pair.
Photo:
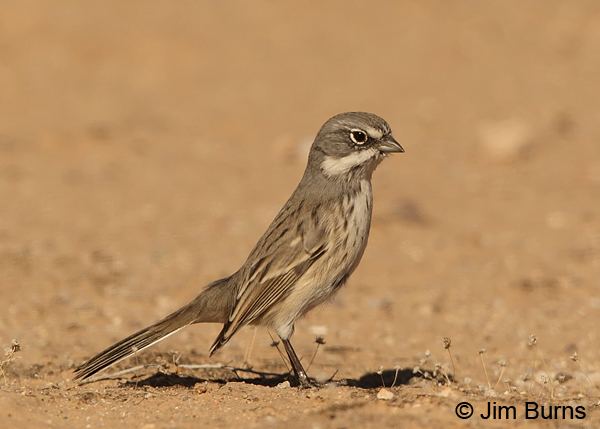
[(280, 258)]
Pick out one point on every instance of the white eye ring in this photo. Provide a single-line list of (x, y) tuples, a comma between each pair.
[(358, 136)]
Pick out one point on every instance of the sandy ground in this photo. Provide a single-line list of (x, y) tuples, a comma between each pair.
[(145, 146)]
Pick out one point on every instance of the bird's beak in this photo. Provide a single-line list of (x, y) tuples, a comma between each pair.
[(389, 145)]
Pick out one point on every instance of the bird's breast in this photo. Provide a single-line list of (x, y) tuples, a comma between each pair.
[(348, 230), (353, 231), (347, 224)]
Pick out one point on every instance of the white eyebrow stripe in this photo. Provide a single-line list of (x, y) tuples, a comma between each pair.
[(332, 166), (374, 133)]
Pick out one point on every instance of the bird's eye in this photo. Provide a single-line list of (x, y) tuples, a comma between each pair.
[(358, 136)]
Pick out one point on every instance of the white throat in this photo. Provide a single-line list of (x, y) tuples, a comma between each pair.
[(332, 166)]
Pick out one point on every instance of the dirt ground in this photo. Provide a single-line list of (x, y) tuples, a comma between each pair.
[(145, 146)]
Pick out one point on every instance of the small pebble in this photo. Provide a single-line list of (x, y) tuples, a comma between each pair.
[(385, 395)]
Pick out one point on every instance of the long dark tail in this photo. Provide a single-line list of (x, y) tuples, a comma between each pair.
[(212, 305)]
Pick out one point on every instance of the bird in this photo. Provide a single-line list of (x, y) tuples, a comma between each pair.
[(307, 253)]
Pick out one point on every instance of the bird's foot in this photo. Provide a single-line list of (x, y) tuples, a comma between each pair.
[(305, 382)]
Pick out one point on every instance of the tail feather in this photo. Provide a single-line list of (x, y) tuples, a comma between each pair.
[(212, 305), (134, 343)]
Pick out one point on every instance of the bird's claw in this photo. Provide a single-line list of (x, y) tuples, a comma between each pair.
[(304, 382)]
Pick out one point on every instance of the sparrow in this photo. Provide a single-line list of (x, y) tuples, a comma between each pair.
[(306, 255)]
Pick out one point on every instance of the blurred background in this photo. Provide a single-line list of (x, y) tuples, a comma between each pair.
[(145, 146)]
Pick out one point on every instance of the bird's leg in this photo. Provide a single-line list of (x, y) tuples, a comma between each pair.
[(299, 371)]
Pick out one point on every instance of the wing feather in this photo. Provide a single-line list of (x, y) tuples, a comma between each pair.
[(272, 277)]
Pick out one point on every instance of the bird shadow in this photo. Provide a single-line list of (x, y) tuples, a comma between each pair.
[(370, 380), (387, 377), (161, 379)]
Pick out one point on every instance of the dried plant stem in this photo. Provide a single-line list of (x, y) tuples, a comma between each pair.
[(117, 374), (283, 358), (203, 366), (120, 374), (584, 374), (314, 355), (485, 370), (395, 376), (250, 347), (9, 356), (452, 362), (380, 372), (499, 377)]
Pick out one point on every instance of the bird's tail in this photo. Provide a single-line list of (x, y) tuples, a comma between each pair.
[(212, 305)]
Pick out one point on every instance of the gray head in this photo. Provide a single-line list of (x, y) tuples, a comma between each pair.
[(351, 145)]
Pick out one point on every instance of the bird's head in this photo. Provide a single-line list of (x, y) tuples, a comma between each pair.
[(353, 142)]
